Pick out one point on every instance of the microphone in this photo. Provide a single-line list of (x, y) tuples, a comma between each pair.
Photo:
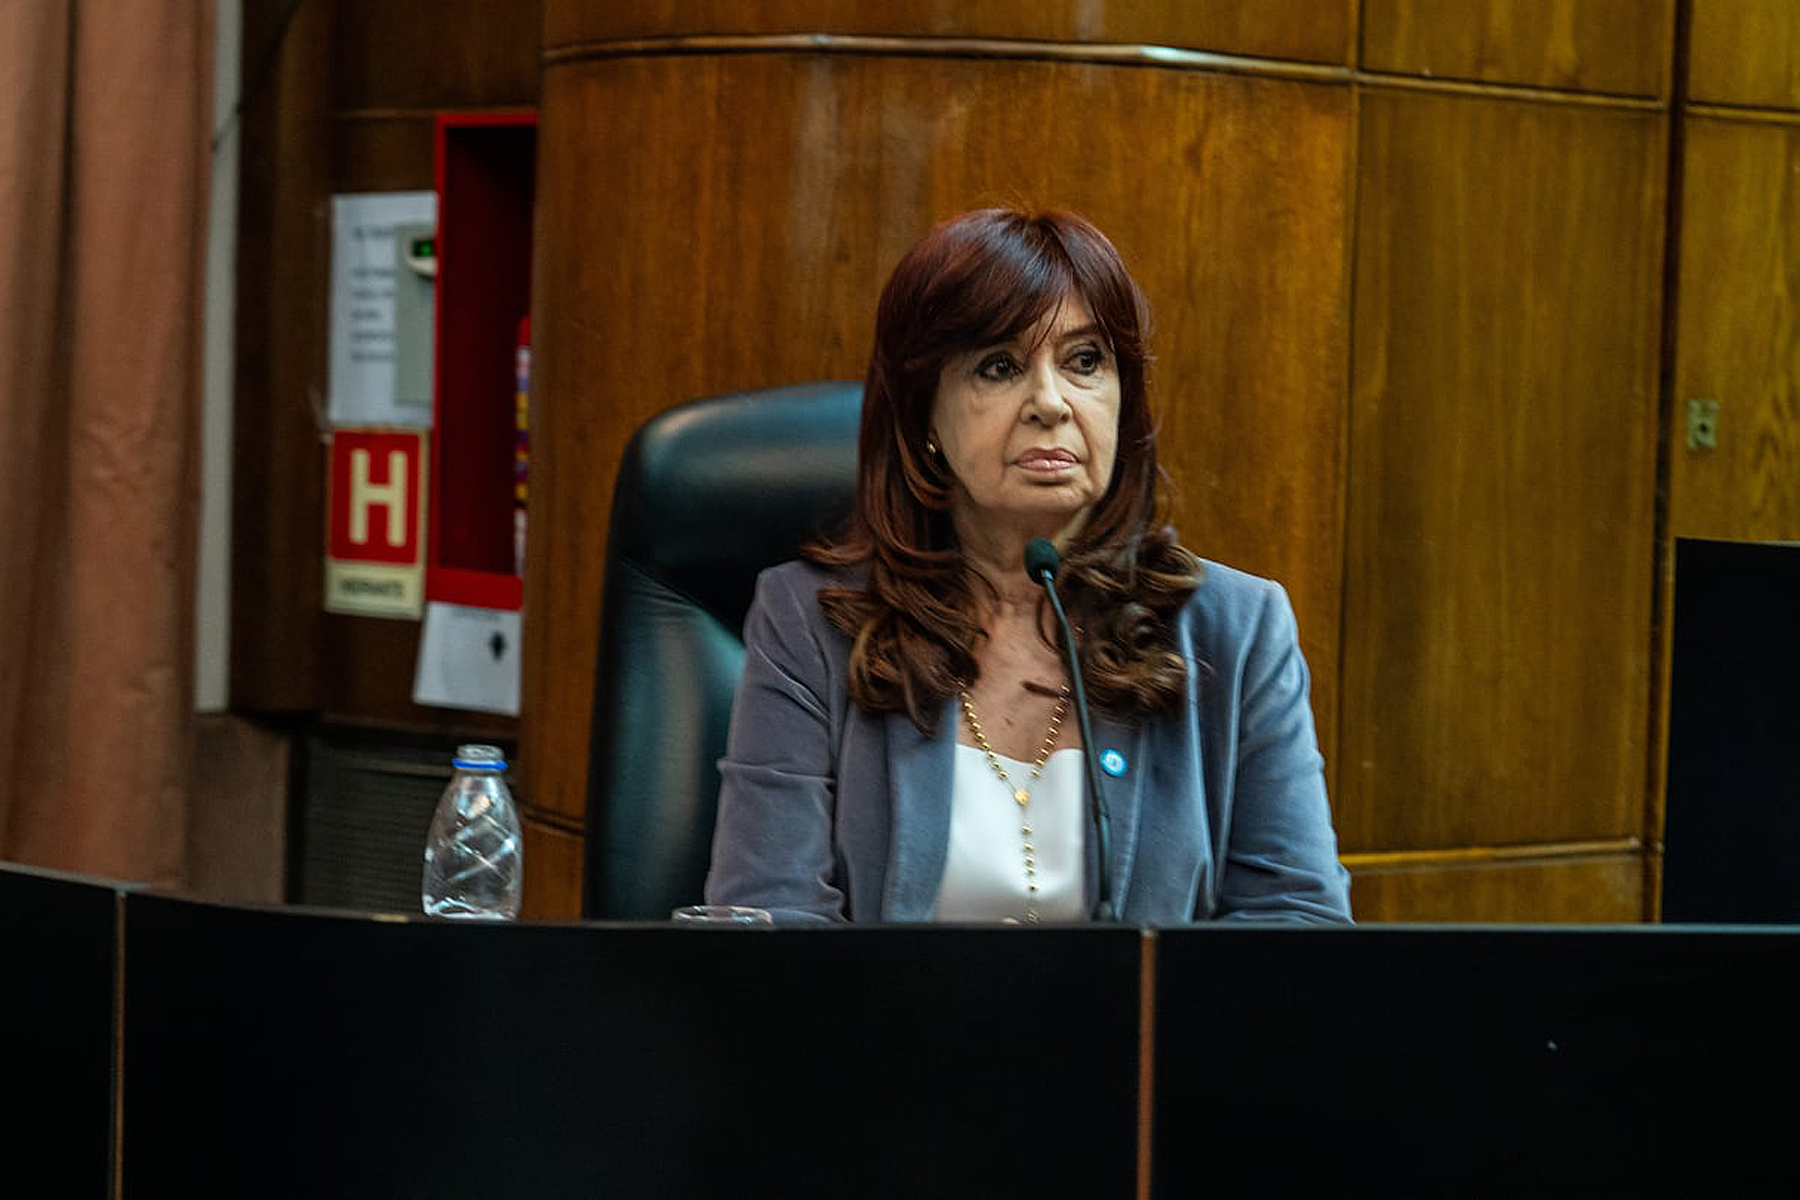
[(1041, 562)]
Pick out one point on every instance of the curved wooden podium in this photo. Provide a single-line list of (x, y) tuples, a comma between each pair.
[(1407, 275), (723, 189)]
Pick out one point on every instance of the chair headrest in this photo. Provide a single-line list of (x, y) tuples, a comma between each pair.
[(712, 492)]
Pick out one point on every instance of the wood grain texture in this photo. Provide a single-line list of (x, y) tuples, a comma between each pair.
[(1597, 890), (366, 679), (1738, 333), (283, 270), (1502, 469), (1737, 337), (711, 224), (1744, 52), (1305, 30), (1615, 46), (383, 154), (445, 54), (553, 872)]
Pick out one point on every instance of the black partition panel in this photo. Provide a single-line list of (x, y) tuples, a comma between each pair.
[(1732, 827), (1636, 1061), (58, 942), (283, 1053)]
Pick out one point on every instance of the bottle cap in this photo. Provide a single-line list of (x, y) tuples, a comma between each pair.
[(479, 758)]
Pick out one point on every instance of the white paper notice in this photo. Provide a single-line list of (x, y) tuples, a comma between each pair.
[(468, 658), (362, 306)]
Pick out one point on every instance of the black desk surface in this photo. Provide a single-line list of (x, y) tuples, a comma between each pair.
[(277, 1053), (1732, 825), (283, 1052), (1519, 1061), (56, 1033)]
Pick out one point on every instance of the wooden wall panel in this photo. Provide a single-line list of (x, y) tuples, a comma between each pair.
[(751, 205), (388, 153), (1744, 52), (1307, 30), (283, 269), (1738, 340), (1502, 468), (393, 70), (1616, 46), (553, 871), (1586, 889), (401, 54), (347, 106)]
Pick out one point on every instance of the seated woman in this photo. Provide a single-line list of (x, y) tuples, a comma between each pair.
[(902, 747)]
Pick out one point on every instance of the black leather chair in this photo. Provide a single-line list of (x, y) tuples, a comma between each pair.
[(709, 494)]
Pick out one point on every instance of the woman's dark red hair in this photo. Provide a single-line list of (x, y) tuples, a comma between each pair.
[(973, 281)]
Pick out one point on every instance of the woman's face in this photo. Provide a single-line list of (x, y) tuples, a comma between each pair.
[(1029, 427)]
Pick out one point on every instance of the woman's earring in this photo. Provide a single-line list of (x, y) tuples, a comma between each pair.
[(931, 446)]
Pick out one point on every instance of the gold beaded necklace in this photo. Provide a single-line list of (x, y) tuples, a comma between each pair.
[(1022, 794)]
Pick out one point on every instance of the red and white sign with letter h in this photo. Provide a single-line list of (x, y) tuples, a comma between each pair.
[(374, 560)]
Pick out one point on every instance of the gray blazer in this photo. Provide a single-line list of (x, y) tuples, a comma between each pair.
[(1218, 808)]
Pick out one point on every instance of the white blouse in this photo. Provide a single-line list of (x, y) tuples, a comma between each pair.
[(984, 872)]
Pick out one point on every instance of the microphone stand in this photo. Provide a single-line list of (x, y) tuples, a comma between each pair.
[(1042, 568)]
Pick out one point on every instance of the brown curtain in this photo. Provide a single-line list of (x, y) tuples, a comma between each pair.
[(104, 122)]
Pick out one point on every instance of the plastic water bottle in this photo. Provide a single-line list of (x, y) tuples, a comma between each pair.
[(472, 864)]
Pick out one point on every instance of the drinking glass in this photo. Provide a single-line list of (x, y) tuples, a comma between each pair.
[(721, 914)]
